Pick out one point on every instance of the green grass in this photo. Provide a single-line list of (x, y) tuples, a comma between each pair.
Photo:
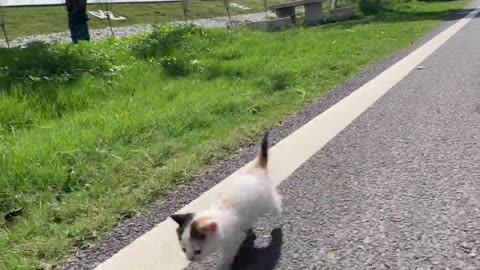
[(24, 21), (84, 144)]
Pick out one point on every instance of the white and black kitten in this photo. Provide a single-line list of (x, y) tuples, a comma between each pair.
[(223, 226)]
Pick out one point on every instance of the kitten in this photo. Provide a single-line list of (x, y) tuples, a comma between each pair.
[(223, 227)]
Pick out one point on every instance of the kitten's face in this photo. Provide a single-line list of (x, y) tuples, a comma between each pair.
[(196, 237)]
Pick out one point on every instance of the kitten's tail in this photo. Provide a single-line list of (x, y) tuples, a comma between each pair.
[(263, 152)]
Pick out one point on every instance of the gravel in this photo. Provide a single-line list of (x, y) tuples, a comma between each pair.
[(100, 34)]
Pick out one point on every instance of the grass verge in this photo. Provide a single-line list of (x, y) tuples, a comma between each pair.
[(90, 134)]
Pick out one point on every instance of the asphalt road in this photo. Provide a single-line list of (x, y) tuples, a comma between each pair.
[(397, 189)]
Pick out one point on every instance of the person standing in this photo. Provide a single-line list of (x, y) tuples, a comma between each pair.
[(77, 20)]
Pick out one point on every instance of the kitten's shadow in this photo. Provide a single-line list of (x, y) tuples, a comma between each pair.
[(265, 258)]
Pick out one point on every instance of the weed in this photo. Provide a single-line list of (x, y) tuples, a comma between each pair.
[(226, 4), (184, 5), (106, 6), (180, 67)]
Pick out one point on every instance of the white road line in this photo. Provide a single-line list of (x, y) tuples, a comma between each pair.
[(159, 249)]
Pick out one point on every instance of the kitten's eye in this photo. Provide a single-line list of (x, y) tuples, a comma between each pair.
[(184, 250), (197, 252)]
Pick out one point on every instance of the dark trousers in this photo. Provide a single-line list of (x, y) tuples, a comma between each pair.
[(78, 26)]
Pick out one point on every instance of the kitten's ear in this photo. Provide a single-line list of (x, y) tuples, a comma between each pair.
[(182, 219), (212, 227), (203, 227), (208, 227)]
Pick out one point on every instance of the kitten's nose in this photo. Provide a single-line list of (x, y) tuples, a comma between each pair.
[(191, 258)]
